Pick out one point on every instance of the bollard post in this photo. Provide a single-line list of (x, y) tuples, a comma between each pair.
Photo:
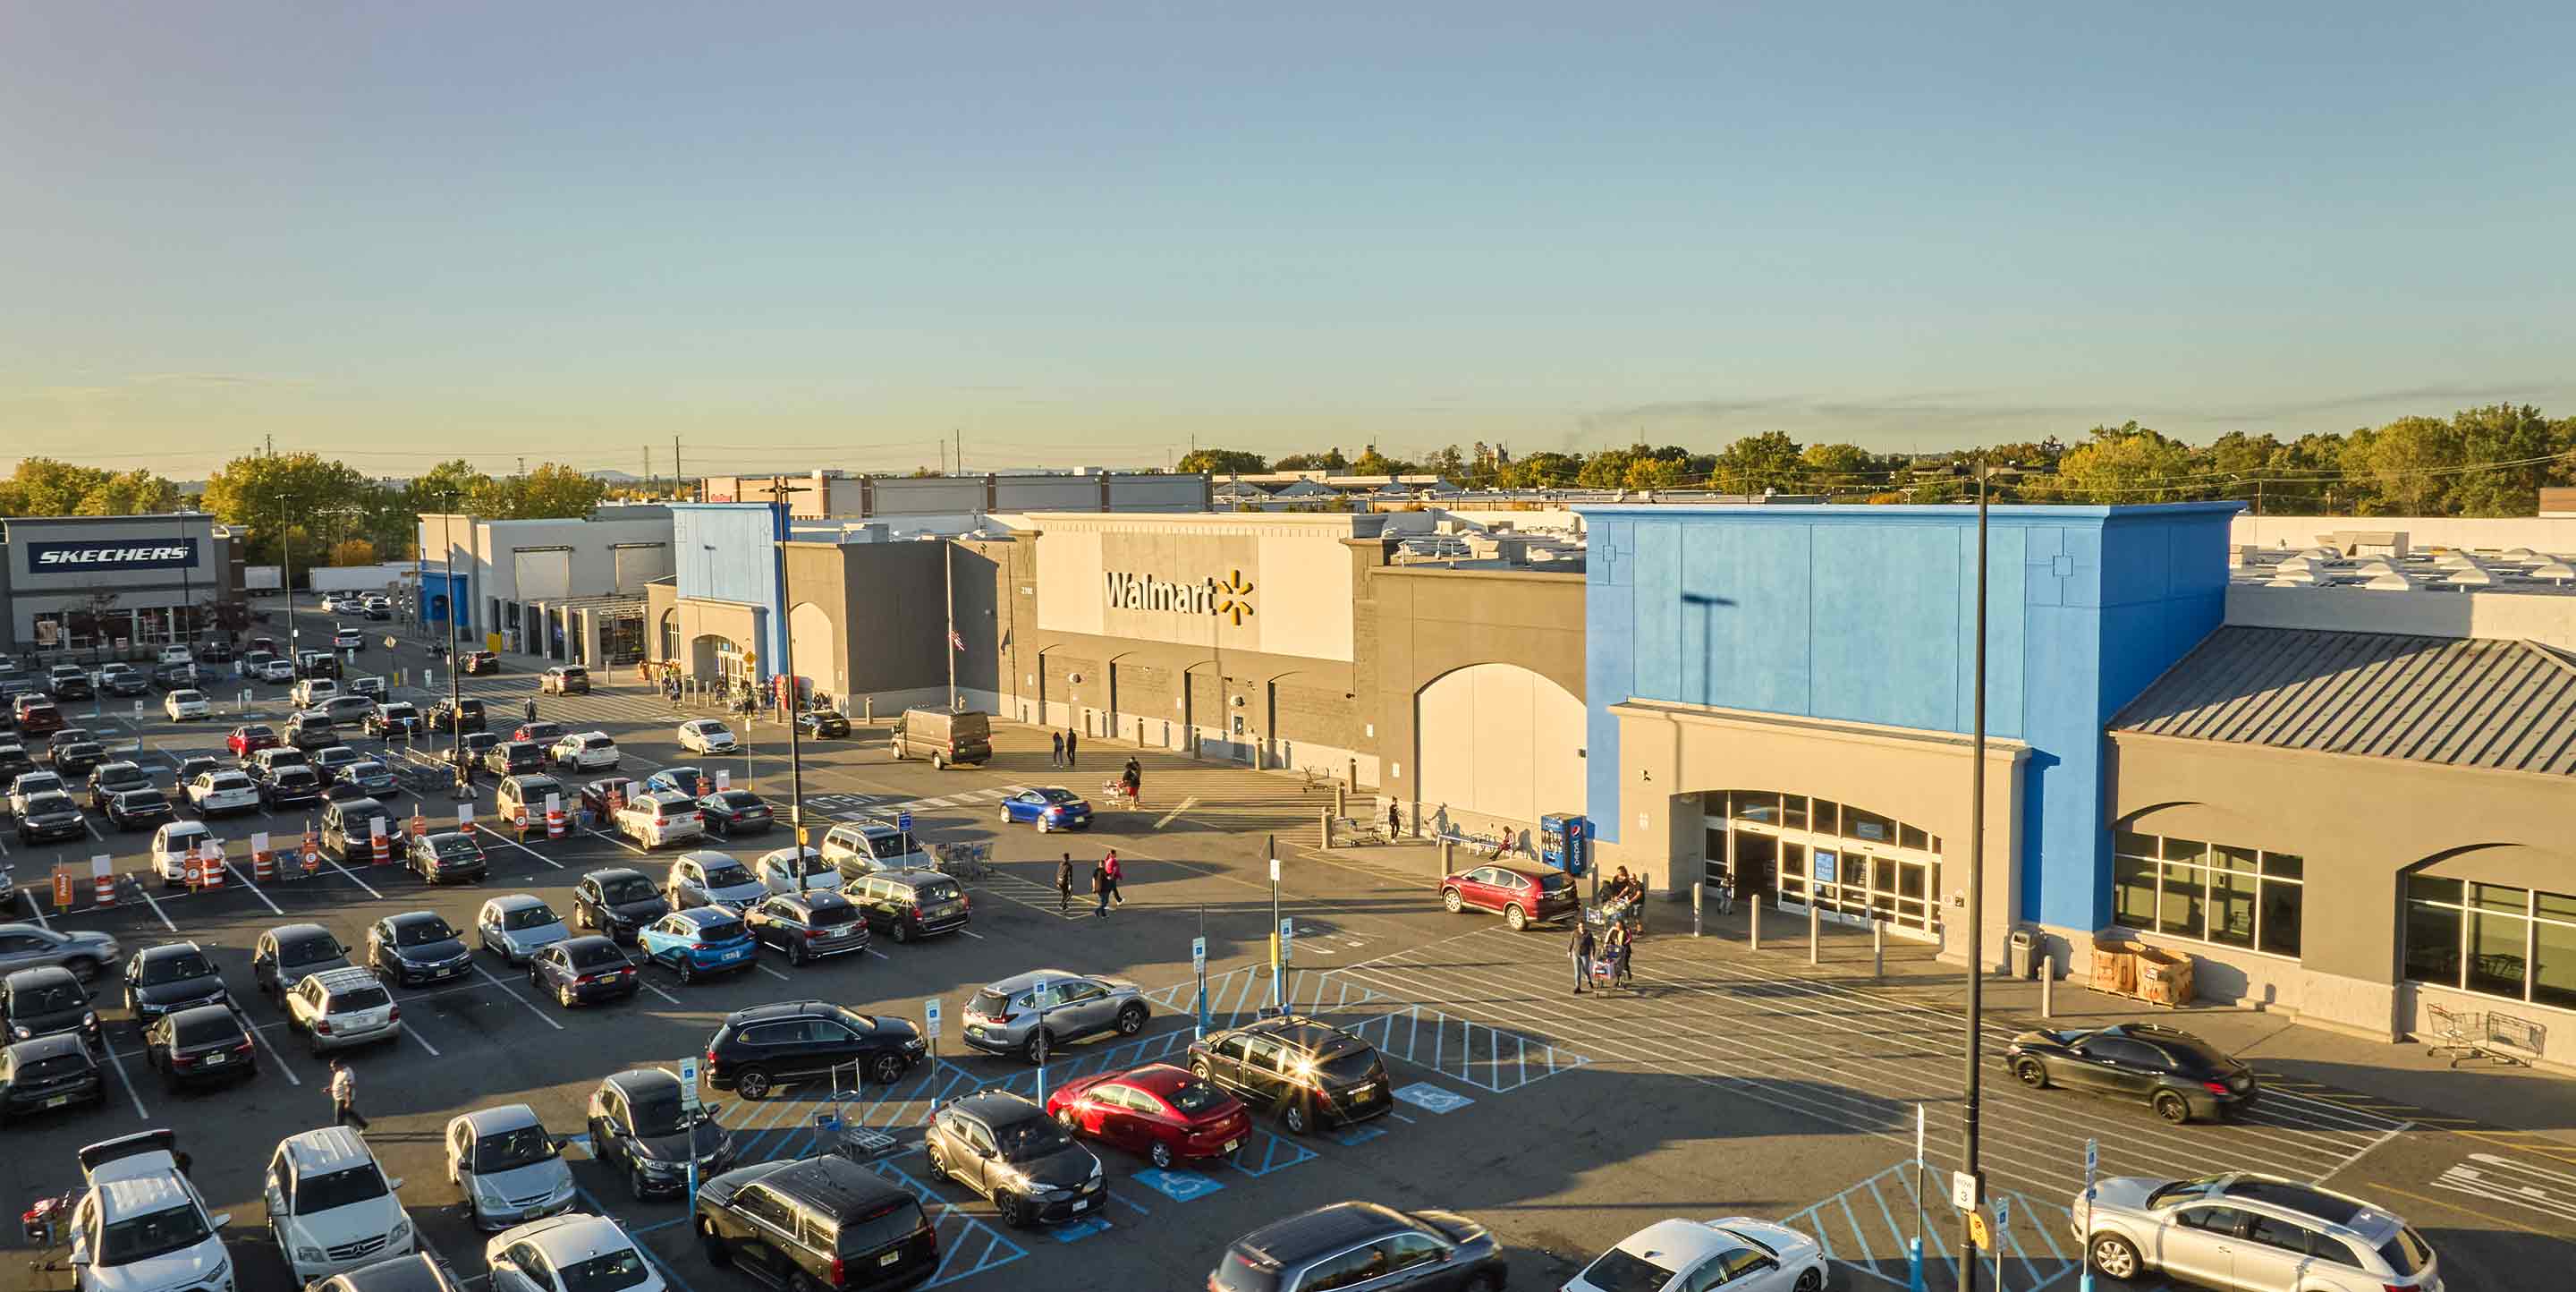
[(1815, 931), (1753, 924), (1696, 890), (1443, 859), (1341, 801), (1878, 948), (868, 706), (2047, 992), (1324, 831)]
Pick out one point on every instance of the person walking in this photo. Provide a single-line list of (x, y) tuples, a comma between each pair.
[(1064, 884), (1055, 756), (1109, 867), (1579, 948), (528, 709), (344, 1096), (1068, 746), (1621, 948), (1394, 822), (1100, 886)]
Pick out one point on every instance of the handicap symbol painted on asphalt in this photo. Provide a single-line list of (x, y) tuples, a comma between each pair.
[(1429, 1097), (1085, 1227), (1355, 1136), (1179, 1186)]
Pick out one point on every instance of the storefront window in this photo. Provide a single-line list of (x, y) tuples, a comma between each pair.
[(1824, 816), (1754, 805), (2491, 939), (1793, 811), (2218, 893), (1868, 825)]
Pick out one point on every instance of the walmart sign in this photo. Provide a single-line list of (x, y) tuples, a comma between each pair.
[(98, 556), (1231, 598)]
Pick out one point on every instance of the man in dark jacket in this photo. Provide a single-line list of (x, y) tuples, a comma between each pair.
[(1580, 949), (1064, 884)]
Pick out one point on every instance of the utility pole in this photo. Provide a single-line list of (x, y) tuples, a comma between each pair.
[(648, 469), (676, 477), (1976, 909), (960, 437)]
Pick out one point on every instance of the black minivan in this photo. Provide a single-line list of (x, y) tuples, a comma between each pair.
[(820, 1222)]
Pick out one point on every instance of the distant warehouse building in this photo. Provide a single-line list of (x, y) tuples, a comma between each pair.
[(923, 500), (568, 590), (95, 582)]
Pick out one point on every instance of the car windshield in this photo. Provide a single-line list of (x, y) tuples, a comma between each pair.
[(627, 888), (116, 775), (2184, 1189), (1056, 796), (529, 917), (2197, 1053), (48, 803), (989, 1003), (2406, 1252), (218, 1028), (728, 876), (304, 951), (806, 863), (1350, 1063), (659, 1115), (187, 697), (37, 783), (422, 933), (296, 776), (367, 768), (738, 800), (358, 998), (178, 967), (339, 1189), (453, 845), (158, 1233), (61, 1065), (885, 847), (1618, 1271), (1191, 1098), (1030, 1139), (512, 1149), (47, 998), (143, 800), (597, 955), (623, 1268), (824, 909), (228, 781)]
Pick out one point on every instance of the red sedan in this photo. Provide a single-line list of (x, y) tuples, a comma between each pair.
[(247, 740), (1158, 1110)]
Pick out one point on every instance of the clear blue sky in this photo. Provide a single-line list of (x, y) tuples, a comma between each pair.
[(569, 230)]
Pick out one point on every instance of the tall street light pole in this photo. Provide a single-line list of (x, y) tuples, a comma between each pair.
[(1976, 910), (778, 487), (455, 695)]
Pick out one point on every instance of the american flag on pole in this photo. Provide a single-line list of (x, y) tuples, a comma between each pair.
[(955, 642)]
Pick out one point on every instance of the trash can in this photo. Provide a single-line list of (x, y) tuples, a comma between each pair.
[(2024, 952)]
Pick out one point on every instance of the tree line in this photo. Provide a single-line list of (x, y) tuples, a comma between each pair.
[(2486, 461)]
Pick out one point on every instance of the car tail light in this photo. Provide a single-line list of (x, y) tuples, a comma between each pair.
[(811, 934), (244, 1047), (394, 1015), (836, 1271), (585, 980), (322, 1027), (2214, 1087), (711, 1056), (183, 1060)]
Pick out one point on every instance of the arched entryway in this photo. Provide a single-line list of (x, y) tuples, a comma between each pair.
[(1848, 862), (668, 636), (815, 649), (719, 659), (1497, 747)]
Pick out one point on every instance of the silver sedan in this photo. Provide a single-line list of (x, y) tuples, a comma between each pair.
[(519, 926)]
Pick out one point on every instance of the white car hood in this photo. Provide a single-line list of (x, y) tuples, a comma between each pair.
[(1792, 1246), (176, 1270), (343, 1225)]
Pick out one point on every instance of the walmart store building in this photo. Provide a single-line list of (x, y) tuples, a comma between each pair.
[(2346, 808)]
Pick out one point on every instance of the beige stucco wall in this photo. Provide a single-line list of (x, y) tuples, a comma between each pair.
[(1419, 624), (2360, 824), (1669, 750), (1298, 585)]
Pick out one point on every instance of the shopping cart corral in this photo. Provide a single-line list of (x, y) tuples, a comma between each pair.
[(2466, 1034), (962, 860)]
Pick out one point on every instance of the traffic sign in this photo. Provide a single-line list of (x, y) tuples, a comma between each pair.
[(903, 821), (1287, 930), (2003, 1212), (930, 1017), (1965, 1190), (1198, 954), (689, 1085), (1977, 1235)]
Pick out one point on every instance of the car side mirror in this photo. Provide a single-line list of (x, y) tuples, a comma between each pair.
[(220, 1219), (395, 1184)]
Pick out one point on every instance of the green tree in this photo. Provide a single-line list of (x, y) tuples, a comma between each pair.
[(268, 493), (444, 487), (1831, 468), (1223, 462), (2518, 450), (47, 487), (1328, 460), (1607, 469), (1656, 473), (1754, 463), (1373, 463), (2124, 464), (1541, 471), (2410, 463)]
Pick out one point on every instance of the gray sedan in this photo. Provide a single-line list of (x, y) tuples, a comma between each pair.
[(1032, 1013), (31, 946), (518, 926)]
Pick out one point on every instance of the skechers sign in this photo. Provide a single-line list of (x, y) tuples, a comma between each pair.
[(100, 556)]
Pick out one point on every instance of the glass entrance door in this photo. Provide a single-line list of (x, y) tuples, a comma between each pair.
[(1850, 864)]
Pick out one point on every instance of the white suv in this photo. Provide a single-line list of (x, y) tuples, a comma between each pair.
[(331, 1207), (586, 751), (661, 817), (312, 691), (142, 1227), (340, 1008)]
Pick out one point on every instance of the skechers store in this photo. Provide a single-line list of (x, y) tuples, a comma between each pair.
[(113, 582), (1783, 696)]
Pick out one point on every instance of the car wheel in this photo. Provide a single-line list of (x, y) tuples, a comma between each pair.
[(1006, 816), (752, 1084), (1043, 827), (1162, 1155), (804, 1282), (1492, 1282), (1451, 902), (796, 952), (1035, 1049), (886, 1069), (712, 1247), (2114, 1257), (1515, 918), (84, 968), (1199, 1069), (938, 1169), (1811, 1280), (939, 762), (1294, 1116), (1131, 1020), (635, 1186), (580, 918), (688, 971), (2031, 1073), (2172, 1108), (902, 931), (1014, 1208)]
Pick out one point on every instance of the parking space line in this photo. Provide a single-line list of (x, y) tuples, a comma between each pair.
[(140, 1113), (603, 834), (771, 972), (549, 1019), (352, 877), (975, 935), (35, 908), (146, 891), (276, 1056), (647, 984), (414, 1033), (243, 881), (93, 831)]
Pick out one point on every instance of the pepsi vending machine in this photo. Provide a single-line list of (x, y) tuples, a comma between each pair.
[(1565, 842)]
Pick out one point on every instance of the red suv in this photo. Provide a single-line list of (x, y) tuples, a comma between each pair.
[(1522, 895), (247, 740), (37, 716)]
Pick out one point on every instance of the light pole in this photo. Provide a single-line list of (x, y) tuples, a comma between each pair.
[(795, 703), (1976, 913), (455, 707)]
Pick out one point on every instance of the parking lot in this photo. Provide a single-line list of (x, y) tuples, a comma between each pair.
[(1729, 1082)]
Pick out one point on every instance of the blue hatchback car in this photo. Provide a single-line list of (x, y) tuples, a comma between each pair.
[(1052, 808), (700, 941)]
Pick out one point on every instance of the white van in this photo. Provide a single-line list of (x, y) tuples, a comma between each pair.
[(176, 655)]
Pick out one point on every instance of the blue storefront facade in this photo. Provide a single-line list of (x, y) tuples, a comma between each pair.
[(723, 616), (1781, 696)]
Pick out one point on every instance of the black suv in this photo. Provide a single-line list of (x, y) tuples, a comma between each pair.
[(448, 719), (807, 926), (1309, 1073), (47, 1001), (171, 977), (822, 1222), (765, 1046), (1352, 1243), (2170, 1070), (618, 901), (638, 1126), (909, 903), (511, 757), (1005, 1147)]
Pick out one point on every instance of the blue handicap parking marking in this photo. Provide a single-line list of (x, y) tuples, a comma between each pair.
[(1354, 1136), (1078, 1229), (1179, 1186), (1267, 1152), (1431, 1098)]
